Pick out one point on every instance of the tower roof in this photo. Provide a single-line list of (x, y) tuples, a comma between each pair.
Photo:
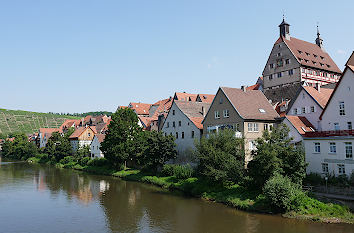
[(283, 23)]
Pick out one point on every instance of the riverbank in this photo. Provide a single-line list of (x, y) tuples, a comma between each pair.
[(234, 196)]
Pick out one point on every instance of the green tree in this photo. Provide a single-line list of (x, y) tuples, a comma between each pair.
[(221, 157), (58, 147), (120, 143), (157, 151), (20, 148), (275, 154), (82, 152)]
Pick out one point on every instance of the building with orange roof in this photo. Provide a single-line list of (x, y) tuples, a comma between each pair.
[(309, 102), (185, 96), (141, 109), (205, 98), (329, 150), (184, 122), (294, 62), (44, 134), (81, 137), (298, 126), (95, 146)]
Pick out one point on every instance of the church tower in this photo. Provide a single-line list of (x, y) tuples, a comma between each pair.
[(319, 40), (284, 29)]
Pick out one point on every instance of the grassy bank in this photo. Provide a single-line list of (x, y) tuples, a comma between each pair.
[(234, 195)]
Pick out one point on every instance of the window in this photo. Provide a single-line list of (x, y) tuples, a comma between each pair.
[(182, 135), (237, 127), (270, 127), (303, 110), (291, 72), (341, 169), (221, 100), (89, 134), (300, 52), (226, 113), (176, 135), (251, 145), (270, 77), (279, 63), (250, 127), (168, 124), (271, 66), (287, 61), (265, 126), (312, 108), (341, 108), (348, 150), (217, 114), (279, 75), (279, 54), (261, 110), (173, 112), (307, 54), (179, 123), (192, 134), (325, 167), (295, 111), (350, 126), (317, 147), (332, 147), (336, 126), (173, 124)]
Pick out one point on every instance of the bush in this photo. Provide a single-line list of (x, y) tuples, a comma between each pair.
[(84, 161), (341, 180), (67, 159), (351, 179), (282, 194), (98, 162), (179, 171), (313, 179)]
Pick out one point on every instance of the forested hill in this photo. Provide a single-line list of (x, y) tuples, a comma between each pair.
[(13, 121)]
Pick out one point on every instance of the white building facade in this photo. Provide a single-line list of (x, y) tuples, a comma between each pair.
[(95, 146), (330, 151)]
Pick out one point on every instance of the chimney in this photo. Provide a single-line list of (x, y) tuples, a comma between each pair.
[(318, 87), (243, 88)]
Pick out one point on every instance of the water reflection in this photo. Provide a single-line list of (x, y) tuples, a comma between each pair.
[(70, 201)]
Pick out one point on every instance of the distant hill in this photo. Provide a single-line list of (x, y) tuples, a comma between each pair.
[(12, 121)]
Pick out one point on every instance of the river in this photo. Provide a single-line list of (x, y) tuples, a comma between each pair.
[(37, 198)]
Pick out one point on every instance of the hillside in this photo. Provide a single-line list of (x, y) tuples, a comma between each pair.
[(28, 122)]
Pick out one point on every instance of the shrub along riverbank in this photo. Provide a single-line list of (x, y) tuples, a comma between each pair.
[(182, 178), (271, 182)]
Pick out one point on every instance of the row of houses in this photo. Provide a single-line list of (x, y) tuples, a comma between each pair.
[(301, 86), (89, 131)]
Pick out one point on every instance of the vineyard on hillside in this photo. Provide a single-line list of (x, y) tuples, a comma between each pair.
[(12, 121)]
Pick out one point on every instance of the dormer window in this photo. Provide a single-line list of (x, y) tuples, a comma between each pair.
[(315, 55), (307, 54), (314, 62), (322, 57), (261, 110), (306, 60), (328, 66), (300, 52), (287, 61), (300, 59), (321, 64)]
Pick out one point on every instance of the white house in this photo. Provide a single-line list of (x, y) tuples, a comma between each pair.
[(184, 122), (298, 126), (44, 134), (330, 151), (82, 137), (95, 146), (310, 102)]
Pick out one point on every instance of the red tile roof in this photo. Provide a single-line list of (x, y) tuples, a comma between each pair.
[(301, 124), (80, 130), (140, 108), (194, 111), (321, 96), (185, 96), (254, 87), (100, 137), (205, 98), (312, 53), (250, 104)]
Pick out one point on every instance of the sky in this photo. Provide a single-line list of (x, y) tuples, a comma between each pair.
[(84, 55)]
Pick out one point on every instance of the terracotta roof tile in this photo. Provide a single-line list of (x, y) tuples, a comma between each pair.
[(185, 96), (250, 104), (140, 108), (80, 130), (254, 87), (205, 98), (100, 137), (301, 124), (315, 56), (321, 96), (194, 111)]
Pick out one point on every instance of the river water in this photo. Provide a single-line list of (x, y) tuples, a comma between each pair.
[(35, 198)]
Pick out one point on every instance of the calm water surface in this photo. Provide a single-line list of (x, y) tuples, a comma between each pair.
[(36, 198)]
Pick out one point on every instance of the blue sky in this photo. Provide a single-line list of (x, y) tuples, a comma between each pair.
[(78, 56)]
